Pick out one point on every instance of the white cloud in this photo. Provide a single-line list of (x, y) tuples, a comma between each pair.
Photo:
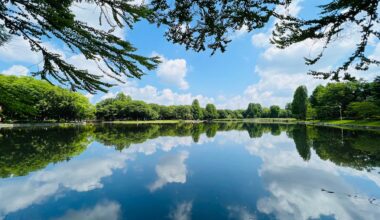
[(170, 169), (18, 50), (16, 70), (182, 211), (104, 210), (260, 40), (239, 33), (173, 71), (151, 94)]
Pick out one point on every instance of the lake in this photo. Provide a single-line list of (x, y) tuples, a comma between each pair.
[(189, 171)]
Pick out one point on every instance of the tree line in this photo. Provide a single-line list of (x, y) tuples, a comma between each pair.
[(28, 99), (122, 107), (352, 100)]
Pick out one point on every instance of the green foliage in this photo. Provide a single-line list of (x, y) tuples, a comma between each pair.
[(335, 98), (299, 103), (196, 24), (36, 20), (363, 110), (196, 110), (25, 98), (275, 111), (123, 108), (210, 112), (254, 110), (333, 21), (206, 24)]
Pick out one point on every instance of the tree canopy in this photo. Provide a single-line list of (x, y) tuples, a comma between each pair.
[(197, 24), (299, 104)]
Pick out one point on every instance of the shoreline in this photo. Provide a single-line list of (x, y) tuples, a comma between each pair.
[(366, 125)]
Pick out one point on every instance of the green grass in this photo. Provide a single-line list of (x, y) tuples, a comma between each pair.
[(372, 123)]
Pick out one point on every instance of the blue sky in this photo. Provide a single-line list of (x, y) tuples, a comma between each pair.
[(251, 70)]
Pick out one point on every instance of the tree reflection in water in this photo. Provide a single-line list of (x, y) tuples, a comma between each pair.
[(30, 149)]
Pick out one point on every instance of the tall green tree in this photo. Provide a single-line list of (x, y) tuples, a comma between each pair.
[(299, 103), (196, 110), (254, 110), (275, 111), (211, 112)]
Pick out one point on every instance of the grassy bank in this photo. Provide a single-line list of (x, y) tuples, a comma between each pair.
[(350, 123), (336, 123)]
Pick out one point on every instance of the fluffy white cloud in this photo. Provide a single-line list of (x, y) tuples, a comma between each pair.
[(104, 210), (173, 71), (17, 70), (260, 40), (151, 94), (170, 169), (182, 211), (239, 33), (18, 50)]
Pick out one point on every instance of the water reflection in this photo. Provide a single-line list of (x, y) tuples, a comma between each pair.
[(238, 171), (170, 169)]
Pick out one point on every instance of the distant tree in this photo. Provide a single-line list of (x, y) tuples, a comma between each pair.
[(223, 114), (299, 103), (375, 89), (183, 112), (288, 109), (266, 113), (196, 110), (122, 97), (274, 111), (211, 112), (254, 110), (363, 110)]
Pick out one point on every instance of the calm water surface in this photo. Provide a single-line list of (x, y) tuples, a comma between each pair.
[(189, 171)]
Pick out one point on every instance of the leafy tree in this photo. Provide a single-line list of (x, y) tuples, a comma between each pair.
[(184, 112), (254, 110), (299, 104), (266, 113), (375, 89), (333, 99), (196, 110), (25, 98), (223, 114), (363, 110), (210, 112), (274, 111)]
